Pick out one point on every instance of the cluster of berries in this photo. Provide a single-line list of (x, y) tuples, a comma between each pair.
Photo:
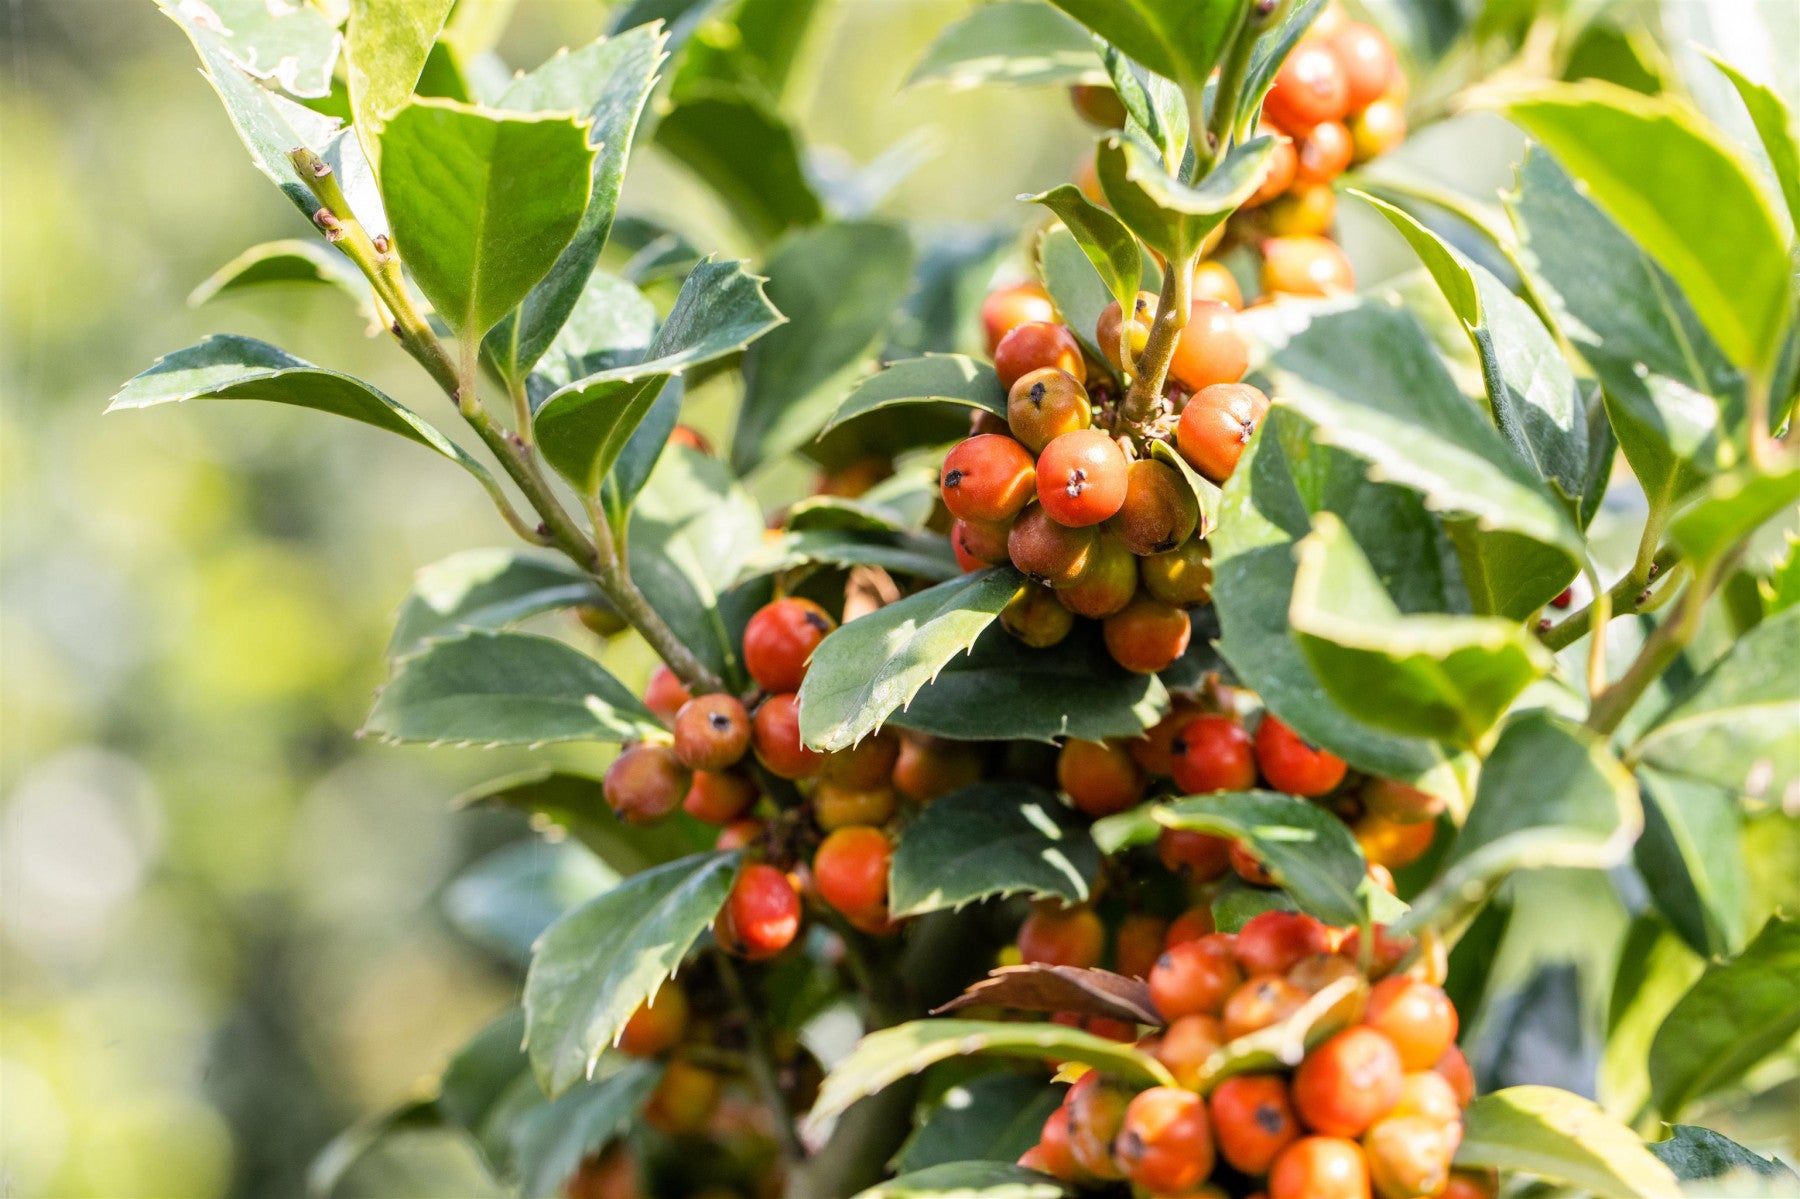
[(1374, 1109), (1077, 503)]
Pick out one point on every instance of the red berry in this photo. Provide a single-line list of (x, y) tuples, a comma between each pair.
[(1147, 635), (780, 638), (1289, 764), (1006, 308), (1154, 751), (1211, 349), (1367, 60), (1217, 424), (983, 541), (645, 783), (1278, 175), (1325, 152), (987, 477), (1159, 511), (719, 797), (1165, 1144), (1310, 87), (664, 694), (775, 732), (1320, 1168), (1195, 977), (1349, 1082), (1081, 478), (1275, 942), (711, 732), (761, 915), (657, 1024), (1253, 1121), (1100, 777), (1391, 844), (1058, 936), (850, 869), (1047, 551), (1096, 1114), (1201, 857), (1035, 346), (1417, 1017), (1044, 405), (1249, 867), (1213, 753)]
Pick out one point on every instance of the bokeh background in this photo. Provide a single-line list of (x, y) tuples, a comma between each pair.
[(222, 934)]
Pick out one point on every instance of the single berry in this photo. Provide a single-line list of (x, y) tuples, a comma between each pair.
[(1275, 942), (1187, 1044), (1114, 334), (1182, 577), (1304, 210), (856, 477), (1214, 281), (1455, 1070), (1044, 405), (1325, 152), (1367, 59), (1211, 349), (684, 1100), (1081, 478), (1313, 974), (1054, 1157), (1310, 87), (1393, 800), (739, 834), (1278, 175), (1305, 266), (645, 783), (836, 806), (1165, 1144), (1471, 1184), (1058, 936), (1099, 776), (1154, 750), (988, 477), (1348, 1083), (1388, 843), (1009, 307), (719, 797), (602, 622), (982, 542), (775, 733), (1217, 424), (1289, 764), (1098, 105), (1417, 1017), (1096, 1114), (711, 732), (1035, 616), (850, 869), (1252, 1121), (1213, 753), (965, 561), (1428, 1094), (1137, 943), (1320, 1168), (1377, 129), (664, 694), (1108, 583), (932, 766), (657, 1024), (1408, 1156), (1191, 925), (761, 915), (1249, 867), (868, 763), (1048, 551), (1195, 978), (1262, 1001), (692, 438), (779, 640), (1037, 345), (1159, 512), (1198, 857), (1147, 635)]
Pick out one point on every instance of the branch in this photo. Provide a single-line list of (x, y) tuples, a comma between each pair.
[(1628, 596), (1153, 364), (1661, 649)]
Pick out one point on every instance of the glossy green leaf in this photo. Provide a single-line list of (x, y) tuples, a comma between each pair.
[(1074, 285), (932, 379), (386, 43), (340, 1155), (1019, 42), (1449, 678), (995, 1117), (1550, 794), (876, 663), (583, 427), (292, 45), (607, 81), (970, 1180), (611, 327), (1731, 507), (1563, 1139), (551, 1142), (991, 839), (577, 803), (1638, 156), (1106, 241), (1283, 1045), (1735, 727), (289, 260), (925, 556), (1775, 127), (1531, 390), (1177, 39), (838, 285), (1674, 399), (481, 203), (1004, 690), (595, 966), (478, 1075), (746, 152), (1738, 1013), (486, 589), (506, 899), (1174, 217), (885, 1057), (1692, 859), (1702, 1155), (487, 688), (1156, 104)]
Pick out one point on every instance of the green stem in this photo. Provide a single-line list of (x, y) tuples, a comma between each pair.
[(1145, 394), (1626, 597), (521, 404), (1223, 119), (760, 1060), (1661, 649)]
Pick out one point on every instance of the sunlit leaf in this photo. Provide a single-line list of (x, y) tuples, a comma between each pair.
[(991, 839)]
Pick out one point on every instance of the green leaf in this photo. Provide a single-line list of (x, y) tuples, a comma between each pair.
[(932, 379), (1775, 127), (1074, 285), (1692, 859), (268, 125), (1781, 590), (1731, 507), (1531, 390), (1702, 1155), (577, 803), (1735, 726), (1639, 157), (612, 326), (1105, 240), (1550, 794), (288, 260), (607, 81), (598, 963), (1366, 376), (838, 285), (481, 203), (341, 1154), (479, 1074), (1171, 216), (1283, 1045), (1004, 690), (1018, 42), (386, 43), (1157, 105), (1675, 401), (1283, 478), (995, 1117), (741, 148), (926, 556), (991, 839), (486, 589), (1449, 678), (487, 688), (1655, 968), (1562, 1139), (292, 45), (876, 663), (506, 899), (1271, 50), (583, 427), (1308, 849), (970, 1180), (1177, 39), (550, 1143), (885, 1057)]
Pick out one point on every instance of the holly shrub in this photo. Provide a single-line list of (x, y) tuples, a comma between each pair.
[(1184, 666)]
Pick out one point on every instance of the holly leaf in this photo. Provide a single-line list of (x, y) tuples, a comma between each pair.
[(598, 963), (288, 260), (741, 148), (1563, 1139), (876, 663), (487, 688), (1039, 987), (386, 43), (577, 803), (550, 1143), (1177, 39), (1692, 858), (1105, 240), (970, 1180), (988, 840), (1732, 506), (486, 589), (1702, 1155), (1074, 285), (1171, 216), (995, 1117), (932, 379), (294, 46), (1775, 127), (1018, 42)]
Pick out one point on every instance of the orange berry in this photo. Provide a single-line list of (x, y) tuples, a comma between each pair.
[(1099, 776), (1471, 1184), (1112, 329), (779, 640), (1320, 1168), (1037, 617), (1278, 175), (1325, 152), (1056, 936), (1044, 405), (1416, 1017), (719, 797), (1249, 867), (1211, 349), (657, 1024), (664, 694), (1454, 1068), (645, 783), (1081, 478), (761, 914), (739, 834), (1191, 925), (1305, 266), (1313, 974), (987, 477), (1377, 129), (928, 767), (1275, 942), (1253, 1121), (980, 543), (1349, 1082), (1199, 857), (684, 1100), (1187, 1043), (1154, 750), (1006, 308), (1037, 345), (1146, 635), (1393, 800), (1096, 1114), (1214, 281), (711, 732), (1429, 1095), (1050, 552), (1387, 843), (1165, 1144), (1137, 943), (1264, 1000), (1215, 426), (1305, 210), (850, 869), (836, 806), (1367, 59), (1108, 583), (1289, 764), (1159, 512), (868, 763), (1053, 1145), (1408, 1156), (1195, 977), (775, 732), (1310, 87)]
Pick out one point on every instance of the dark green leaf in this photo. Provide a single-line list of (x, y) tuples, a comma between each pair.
[(577, 802), (483, 1070), (486, 589), (991, 839), (595, 966), (875, 664), (510, 896), (386, 43), (752, 46), (1157, 105), (1731, 507), (1735, 727), (838, 285), (925, 556), (488, 688), (289, 260), (1074, 286), (583, 427), (1702, 1155), (1775, 127), (550, 1143), (1638, 156), (1171, 216), (970, 1180), (1564, 1139), (611, 327), (1177, 39), (1449, 678), (1551, 794), (743, 150), (1019, 42), (1692, 859), (1739, 1012), (933, 379), (608, 81), (995, 1117), (1107, 243)]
